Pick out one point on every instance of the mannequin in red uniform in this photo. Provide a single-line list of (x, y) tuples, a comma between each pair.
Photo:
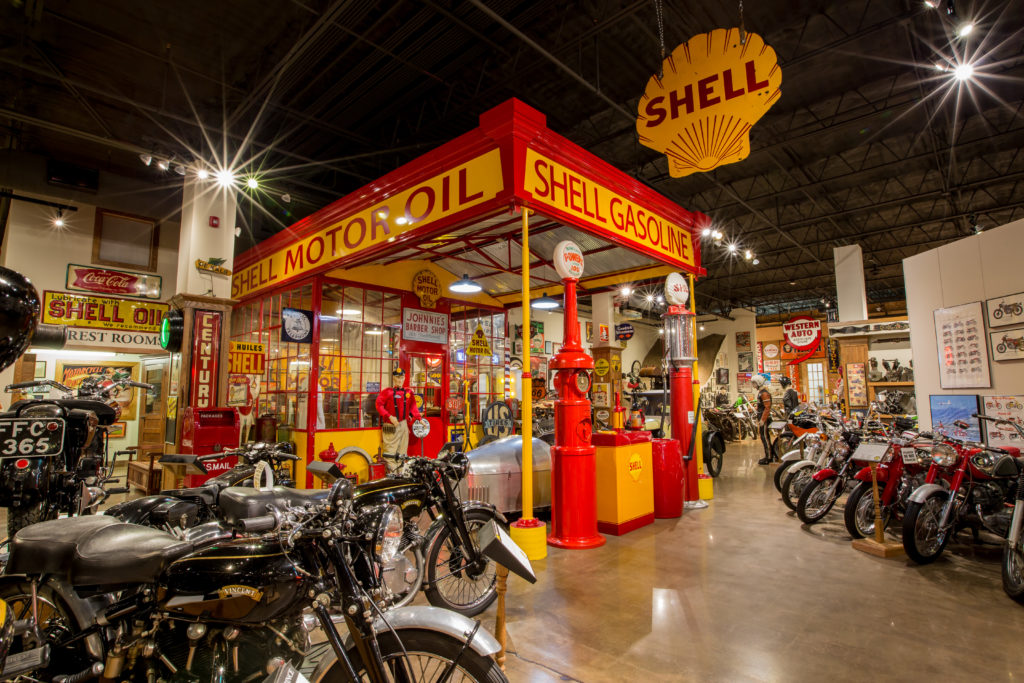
[(396, 405)]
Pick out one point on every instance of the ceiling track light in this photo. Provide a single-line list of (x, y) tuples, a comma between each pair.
[(179, 169), (163, 165), (146, 159), (59, 220)]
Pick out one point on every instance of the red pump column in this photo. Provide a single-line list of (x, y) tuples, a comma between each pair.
[(573, 478)]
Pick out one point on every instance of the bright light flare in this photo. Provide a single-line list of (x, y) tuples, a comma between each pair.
[(225, 177), (748, 254), (626, 291), (733, 248), (965, 30), (58, 222), (252, 183), (705, 232), (202, 174), (963, 71)]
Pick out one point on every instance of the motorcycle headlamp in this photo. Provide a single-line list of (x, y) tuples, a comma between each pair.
[(389, 534), (943, 455), (42, 410)]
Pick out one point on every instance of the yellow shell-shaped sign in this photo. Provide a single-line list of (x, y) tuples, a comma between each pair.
[(714, 89)]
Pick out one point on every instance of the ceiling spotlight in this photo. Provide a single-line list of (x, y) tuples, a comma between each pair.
[(252, 183), (286, 198), (792, 282), (465, 286), (828, 304), (963, 71), (59, 220), (965, 30), (733, 248), (756, 261), (179, 169), (748, 254), (701, 328), (545, 302), (163, 165), (930, 4), (225, 177), (705, 232), (146, 159), (626, 291), (660, 300), (649, 298), (716, 234), (202, 174), (661, 330), (940, 66)]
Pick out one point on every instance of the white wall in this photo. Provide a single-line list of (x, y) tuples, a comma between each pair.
[(744, 321), (976, 268)]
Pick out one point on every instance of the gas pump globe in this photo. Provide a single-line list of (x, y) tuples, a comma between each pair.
[(680, 353)]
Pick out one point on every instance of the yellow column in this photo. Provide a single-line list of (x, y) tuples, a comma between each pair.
[(528, 532), (704, 484)]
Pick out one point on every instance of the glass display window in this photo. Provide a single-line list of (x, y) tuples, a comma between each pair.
[(485, 374)]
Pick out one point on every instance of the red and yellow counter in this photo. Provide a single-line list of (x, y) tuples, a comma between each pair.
[(625, 481)]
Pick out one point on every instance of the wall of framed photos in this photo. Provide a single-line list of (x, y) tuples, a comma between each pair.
[(965, 305)]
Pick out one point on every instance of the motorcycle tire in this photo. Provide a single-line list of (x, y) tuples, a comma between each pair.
[(1018, 309), (919, 523), (997, 314), (21, 516), (780, 473), (793, 485), (817, 500), (783, 444), (447, 584), (713, 459), (57, 624), (429, 654), (859, 514), (1001, 347), (1013, 572)]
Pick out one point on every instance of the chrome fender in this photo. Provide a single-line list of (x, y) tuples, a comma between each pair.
[(796, 467), (793, 455), (421, 618), (921, 493)]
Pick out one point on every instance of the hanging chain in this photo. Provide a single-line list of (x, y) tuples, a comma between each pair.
[(743, 29), (659, 11)]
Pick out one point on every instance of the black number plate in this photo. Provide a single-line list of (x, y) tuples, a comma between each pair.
[(26, 437)]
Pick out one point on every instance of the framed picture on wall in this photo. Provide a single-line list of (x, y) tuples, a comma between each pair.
[(857, 386), (960, 336), (745, 362), (1010, 408), (118, 430), (948, 409), (1005, 310), (722, 376), (40, 370), (1007, 344)]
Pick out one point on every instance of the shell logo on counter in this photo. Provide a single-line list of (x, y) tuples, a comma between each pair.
[(714, 89)]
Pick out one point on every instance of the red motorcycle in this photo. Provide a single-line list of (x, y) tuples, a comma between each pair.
[(968, 485), (898, 476)]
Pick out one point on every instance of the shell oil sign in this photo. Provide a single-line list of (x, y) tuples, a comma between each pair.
[(713, 90)]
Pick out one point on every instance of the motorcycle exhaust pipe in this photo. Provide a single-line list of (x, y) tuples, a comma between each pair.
[(84, 675)]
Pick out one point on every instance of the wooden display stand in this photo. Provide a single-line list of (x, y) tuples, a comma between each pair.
[(878, 546)]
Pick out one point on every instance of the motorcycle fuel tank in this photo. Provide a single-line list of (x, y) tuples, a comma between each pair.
[(244, 580), (408, 494)]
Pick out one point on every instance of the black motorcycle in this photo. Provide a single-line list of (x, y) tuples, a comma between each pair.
[(105, 599), (54, 452), (259, 464)]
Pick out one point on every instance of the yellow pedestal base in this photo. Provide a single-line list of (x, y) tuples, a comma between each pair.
[(533, 540), (706, 488), (873, 547)]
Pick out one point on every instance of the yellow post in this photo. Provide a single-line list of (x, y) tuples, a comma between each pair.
[(704, 484), (528, 532)]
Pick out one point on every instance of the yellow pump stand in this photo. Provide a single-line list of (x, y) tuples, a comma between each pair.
[(705, 486), (529, 533)]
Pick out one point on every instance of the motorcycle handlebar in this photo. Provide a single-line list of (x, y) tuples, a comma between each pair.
[(213, 456), (257, 524)]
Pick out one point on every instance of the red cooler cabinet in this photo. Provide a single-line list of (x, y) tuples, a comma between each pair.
[(205, 431)]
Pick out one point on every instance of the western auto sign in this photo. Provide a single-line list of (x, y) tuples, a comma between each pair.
[(205, 356), (247, 358), (712, 91), (102, 312), (568, 260), (606, 213), (803, 333), (624, 331), (456, 189), (111, 281)]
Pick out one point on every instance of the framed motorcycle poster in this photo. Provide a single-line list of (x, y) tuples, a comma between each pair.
[(1007, 344), (1005, 310), (1009, 408), (72, 374), (963, 358), (948, 410)]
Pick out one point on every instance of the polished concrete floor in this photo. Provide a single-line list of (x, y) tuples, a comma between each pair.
[(742, 591)]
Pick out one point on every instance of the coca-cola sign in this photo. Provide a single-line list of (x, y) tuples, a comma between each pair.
[(110, 281)]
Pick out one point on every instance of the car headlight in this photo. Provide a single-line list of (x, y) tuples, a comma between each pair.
[(943, 455), (389, 534)]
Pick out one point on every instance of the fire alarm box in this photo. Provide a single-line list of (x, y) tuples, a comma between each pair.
[(214, 222), (206, 431)]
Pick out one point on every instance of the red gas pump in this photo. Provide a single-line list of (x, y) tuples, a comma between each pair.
[(680, 354), (573, 477)]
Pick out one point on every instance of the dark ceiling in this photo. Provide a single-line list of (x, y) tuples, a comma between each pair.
[(869, 143)]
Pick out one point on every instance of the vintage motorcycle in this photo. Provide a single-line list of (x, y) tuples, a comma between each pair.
[(1008, 342), (898, 475), (105, 599), (968, 485), (187, 507), (789, 445), (829, 483), (1013, 552), (1014, 308)]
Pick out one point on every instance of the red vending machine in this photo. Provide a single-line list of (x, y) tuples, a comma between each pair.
[(206, 431)]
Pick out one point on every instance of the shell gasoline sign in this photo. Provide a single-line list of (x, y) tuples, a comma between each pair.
[(478, 344)]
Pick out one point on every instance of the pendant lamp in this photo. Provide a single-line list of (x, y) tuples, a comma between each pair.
[(465, 286), (545, 302)]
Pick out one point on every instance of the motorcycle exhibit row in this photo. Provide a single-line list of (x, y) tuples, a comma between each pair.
[(931, 486), (236, 579)]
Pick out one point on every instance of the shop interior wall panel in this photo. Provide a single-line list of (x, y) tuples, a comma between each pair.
[(975, 268)]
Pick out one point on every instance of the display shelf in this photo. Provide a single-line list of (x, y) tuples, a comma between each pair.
[(890, 384)]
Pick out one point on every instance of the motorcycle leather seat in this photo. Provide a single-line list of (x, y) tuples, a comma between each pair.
[(48, 547), (203, 494), (238, 503)]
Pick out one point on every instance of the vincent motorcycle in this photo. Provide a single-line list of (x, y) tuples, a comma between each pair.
[(968, 485), (105, 599)]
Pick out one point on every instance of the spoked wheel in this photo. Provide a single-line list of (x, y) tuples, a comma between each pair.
[(455, 583), (421, 656), (923, 539), (859, 514), (56, 625), (793, 485), (783, 444), (1013, 572), (818, 498), (780, 473)]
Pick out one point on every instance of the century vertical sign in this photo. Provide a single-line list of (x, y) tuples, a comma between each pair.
[(607, 213), (205, 355), (469, 184)]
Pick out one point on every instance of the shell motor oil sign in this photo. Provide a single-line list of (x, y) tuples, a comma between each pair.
[(714, 89)]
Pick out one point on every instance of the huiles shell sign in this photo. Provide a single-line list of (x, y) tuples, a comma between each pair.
[(714, 88)]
